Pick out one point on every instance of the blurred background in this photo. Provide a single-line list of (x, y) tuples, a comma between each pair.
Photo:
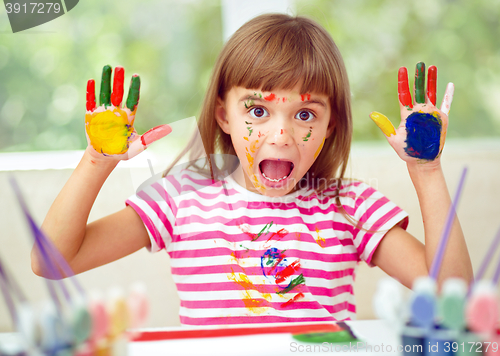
[(173, 46)]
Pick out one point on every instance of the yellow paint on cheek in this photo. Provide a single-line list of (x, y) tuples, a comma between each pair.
[(246, 138), (109, 131), (319, 148), (249, 159), (383, 123), (253, 146)]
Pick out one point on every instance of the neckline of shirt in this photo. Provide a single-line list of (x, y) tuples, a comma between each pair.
[(260, 197)]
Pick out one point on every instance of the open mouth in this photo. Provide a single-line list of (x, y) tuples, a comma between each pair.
[(275, 170)]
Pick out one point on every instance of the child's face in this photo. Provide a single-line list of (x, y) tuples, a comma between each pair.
[(276, 135)]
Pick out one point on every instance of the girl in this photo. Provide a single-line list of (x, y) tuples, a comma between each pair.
[(277, 239)]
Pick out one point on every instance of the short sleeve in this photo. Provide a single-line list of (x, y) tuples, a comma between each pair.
[(374, 215), (157, 210)]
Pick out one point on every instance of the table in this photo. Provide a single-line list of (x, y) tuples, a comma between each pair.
[(376, 337)]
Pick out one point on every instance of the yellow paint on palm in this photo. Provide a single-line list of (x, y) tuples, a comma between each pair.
[(383, 123), (319, 148), (109, 131)]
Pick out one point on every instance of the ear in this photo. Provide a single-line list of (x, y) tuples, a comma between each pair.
[(220, 115)]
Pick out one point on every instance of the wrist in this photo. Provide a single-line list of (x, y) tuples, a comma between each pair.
[(99, 161), (426, 175)]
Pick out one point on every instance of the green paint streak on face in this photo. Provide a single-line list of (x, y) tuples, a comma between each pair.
[(250, 130), (133, 93), (249, 103), (408, 108), (420, 83), (299, 280), (105, 96), (306, 138), (248, 123)]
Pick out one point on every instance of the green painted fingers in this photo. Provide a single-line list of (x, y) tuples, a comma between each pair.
[(420, 83), (133, 93)]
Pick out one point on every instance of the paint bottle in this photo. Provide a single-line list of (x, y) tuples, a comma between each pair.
[(482, 313), (81, 320), (451, 304), (451, 312), (28, 325), (138, 306), (119, 320), (56, 337), (422, 311), (100, 323), (388, 302)]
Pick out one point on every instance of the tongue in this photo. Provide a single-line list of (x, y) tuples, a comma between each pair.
[(275, 169)]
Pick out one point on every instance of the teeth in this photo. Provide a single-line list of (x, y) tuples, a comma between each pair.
[(274, 180)]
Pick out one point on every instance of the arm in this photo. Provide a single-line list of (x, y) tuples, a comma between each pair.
[(399, 253), (111, 138)]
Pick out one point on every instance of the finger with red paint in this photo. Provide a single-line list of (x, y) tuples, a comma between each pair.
[(117, 95), (146, 139), (91, 95), (432, 84), (404, 89)]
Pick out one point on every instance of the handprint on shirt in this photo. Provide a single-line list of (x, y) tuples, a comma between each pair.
[(422, 131), (109, 127)]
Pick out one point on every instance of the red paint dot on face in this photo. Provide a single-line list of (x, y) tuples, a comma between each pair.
[(282, 131), (304, 97), (270, 97), (283, 99)]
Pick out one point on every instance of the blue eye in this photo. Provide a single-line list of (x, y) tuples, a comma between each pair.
[(305, 115), (258, 112)]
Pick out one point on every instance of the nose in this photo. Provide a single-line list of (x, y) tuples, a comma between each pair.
[(281, 134)]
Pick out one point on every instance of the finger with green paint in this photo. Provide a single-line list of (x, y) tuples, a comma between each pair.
[(419, 84), (133, 93), (105, 94)]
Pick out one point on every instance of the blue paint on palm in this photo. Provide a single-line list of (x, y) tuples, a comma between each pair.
[(423, 135)]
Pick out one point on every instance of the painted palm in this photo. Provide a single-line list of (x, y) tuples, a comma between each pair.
[(422, 131), (110, 127)]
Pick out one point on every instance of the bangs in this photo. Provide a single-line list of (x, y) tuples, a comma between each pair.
[(281, 57)]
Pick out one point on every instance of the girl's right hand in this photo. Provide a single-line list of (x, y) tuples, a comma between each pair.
[(109, 128)]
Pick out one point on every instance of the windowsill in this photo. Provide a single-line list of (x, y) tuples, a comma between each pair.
[(24, 161)]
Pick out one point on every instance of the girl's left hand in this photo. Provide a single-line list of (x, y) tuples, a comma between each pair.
[(421, 134)]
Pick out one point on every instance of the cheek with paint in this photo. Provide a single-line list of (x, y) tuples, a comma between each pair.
[(250, 154), (319, 148), (308, 135), (109, 131), (423, 135)]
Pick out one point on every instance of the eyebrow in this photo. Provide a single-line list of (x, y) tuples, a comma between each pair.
[(256, 98)]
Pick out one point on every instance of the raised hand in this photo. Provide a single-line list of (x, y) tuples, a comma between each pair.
[(109, 127), (421, 134)]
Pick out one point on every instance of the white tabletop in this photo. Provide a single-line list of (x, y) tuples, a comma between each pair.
[(375, 337)]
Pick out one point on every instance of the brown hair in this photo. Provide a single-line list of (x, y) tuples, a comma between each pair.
[(277, 51)]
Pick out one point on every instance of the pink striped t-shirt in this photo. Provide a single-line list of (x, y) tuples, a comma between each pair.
[(238, 257)]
